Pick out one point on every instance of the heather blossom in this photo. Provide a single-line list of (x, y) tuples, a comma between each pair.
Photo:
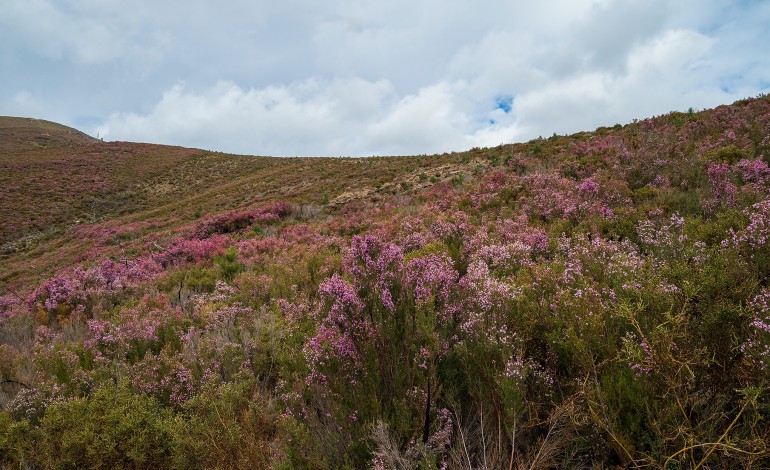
[(757, 346), (432, 277), (588, 189), (723, 191), (375, 263), (9, 307), (756, 236), (485, 297), (164, 376), (663, 237), (339, 334), (520, 230), (139, 331), (59, 290), (541, 301), (755, 172)]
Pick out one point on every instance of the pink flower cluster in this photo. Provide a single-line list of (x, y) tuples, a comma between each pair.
[(336, 345), (755, 238), (164, 376), (431, 277), (375, 264), (723, 191), (137, 333)]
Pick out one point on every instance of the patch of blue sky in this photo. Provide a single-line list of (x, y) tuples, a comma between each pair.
[(505, 103)]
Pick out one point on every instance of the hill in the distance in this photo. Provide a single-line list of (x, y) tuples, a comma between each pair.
[(29, 134)]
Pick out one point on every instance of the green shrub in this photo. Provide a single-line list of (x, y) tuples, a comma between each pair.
[(228, 426), (114, 428), (229, 264), (730, 154), (200, 279), (683, 203)]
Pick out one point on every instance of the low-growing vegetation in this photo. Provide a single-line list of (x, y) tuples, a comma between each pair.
[(597, 300)]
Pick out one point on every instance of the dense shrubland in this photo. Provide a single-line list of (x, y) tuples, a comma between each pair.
[(599, 299)]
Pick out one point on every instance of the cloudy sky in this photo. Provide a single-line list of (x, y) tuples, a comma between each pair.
[(347, 77)]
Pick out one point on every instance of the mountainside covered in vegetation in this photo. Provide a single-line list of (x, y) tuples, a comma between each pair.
[(576, 301)]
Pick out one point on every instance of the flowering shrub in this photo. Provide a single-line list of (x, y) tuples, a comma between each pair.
[(235, 221), (757, 346), (722, 189)]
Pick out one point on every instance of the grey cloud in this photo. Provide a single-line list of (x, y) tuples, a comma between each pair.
[(610, 30)]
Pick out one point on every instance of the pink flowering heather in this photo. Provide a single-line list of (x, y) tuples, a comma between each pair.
[(164, 376), (533, 304), (588, 189), (341, 297), (335, 345), (431, 277), (454, 225), (755, 174), (662, 236), (191, 251), (441, 438), (485, 298), (376, 264), (256, 250), (723, 191), (509, 257), (757, 346), (549, 196), (139, 330), (638, 355), (9, 307), (59, 291), (756, 236), (296, 312), (519, 230)]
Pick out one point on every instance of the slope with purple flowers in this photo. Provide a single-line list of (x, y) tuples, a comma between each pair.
[(599, 299)]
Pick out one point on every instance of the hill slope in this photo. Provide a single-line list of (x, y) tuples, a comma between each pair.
[(31, 134), (58, 201), (594, 300)]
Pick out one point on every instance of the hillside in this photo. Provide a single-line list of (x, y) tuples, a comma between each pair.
[(593, 300), (73, 200), (19, 134)]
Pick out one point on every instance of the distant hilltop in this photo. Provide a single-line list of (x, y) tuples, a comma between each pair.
[(17, 133)]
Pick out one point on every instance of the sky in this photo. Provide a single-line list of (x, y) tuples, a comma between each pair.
[(361, 77)]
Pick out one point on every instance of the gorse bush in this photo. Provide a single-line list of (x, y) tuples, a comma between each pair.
[(599, 300)]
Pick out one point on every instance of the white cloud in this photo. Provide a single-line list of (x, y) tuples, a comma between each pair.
[(604, 37), (313, 117), (23, 103), (308, 117), (372, 77), (433, 120), (662, 74)]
